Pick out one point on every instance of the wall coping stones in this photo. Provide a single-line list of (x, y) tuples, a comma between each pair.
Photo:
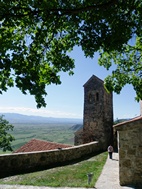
[(130, 124)]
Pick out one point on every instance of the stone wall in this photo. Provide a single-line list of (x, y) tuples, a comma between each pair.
[(12, 164), (130, 152), (78, 137)]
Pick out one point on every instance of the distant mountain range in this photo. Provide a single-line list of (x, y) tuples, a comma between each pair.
[(20, 118)]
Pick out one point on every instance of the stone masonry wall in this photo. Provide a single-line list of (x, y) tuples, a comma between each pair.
[(12, 164), (108, 119), (78, 137), (130, 154)]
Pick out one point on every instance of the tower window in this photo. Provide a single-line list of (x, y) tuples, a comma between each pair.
[(90, 98), (97, 96)]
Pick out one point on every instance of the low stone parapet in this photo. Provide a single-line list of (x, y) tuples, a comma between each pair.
[(11, 164)]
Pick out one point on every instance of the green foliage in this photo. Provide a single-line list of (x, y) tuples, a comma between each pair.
[(74, 175), (5, 137), (128, 68), (119, 121), (37, 36)]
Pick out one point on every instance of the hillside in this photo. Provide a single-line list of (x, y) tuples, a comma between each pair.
[(20, 118), (76, 127)]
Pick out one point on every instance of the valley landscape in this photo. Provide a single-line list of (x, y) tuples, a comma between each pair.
[(50, 129)]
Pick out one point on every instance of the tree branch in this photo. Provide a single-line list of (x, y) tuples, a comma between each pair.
[(59, 11)]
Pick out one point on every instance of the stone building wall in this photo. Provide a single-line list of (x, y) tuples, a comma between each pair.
[(12, 164), (130, 152), (78, 138), (98, 113), (108, 118)]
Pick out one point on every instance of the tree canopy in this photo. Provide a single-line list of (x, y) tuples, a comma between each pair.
[(5, 137), (36, 36)]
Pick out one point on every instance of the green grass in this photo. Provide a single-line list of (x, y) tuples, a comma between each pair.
[(73, 175)]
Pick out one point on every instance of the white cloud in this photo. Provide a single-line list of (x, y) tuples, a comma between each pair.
[(39, 112)]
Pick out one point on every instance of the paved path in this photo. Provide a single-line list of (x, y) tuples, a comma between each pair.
[(109, 178)]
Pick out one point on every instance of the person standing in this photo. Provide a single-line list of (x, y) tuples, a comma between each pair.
[(110, 151)]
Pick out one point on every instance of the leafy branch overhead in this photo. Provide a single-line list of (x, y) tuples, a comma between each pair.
[(36, 36), (128, 70)]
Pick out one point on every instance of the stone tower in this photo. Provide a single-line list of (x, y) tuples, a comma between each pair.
[(98, 113)]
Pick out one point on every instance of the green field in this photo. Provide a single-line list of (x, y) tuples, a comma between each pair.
[(60, 133)]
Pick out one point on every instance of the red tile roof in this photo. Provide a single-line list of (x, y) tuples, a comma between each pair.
[(40, 145), (126, 123), (129, 121)]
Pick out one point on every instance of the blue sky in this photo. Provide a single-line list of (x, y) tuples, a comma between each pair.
[(66, 100)]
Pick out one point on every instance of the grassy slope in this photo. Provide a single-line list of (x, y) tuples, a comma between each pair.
[(74, 175)]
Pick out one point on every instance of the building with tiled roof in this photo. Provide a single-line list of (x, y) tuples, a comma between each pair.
[(129, 136), (40, 145)]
